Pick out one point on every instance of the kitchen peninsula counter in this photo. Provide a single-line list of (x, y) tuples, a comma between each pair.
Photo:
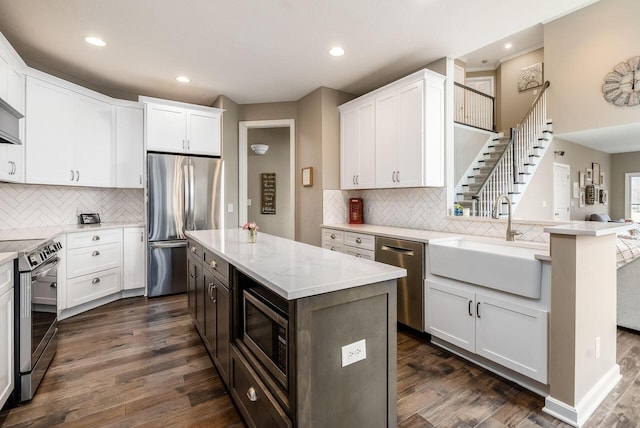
[(336, 329)]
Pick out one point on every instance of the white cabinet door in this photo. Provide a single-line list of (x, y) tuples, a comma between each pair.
[(386, 138), (129, 147), (452, 315), (349, 148), (367, 174), (49, 146), (12, 163), (6, 332), (4, 76), (513, 336), (166, 128), (94, 142), (409, 146), (203, 133), (15, 90), (133, 266), (434, 132)]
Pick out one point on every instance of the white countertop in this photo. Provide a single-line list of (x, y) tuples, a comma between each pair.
[(7, 257), (48, 232), (292, 269), (392, 232), (589, 228)]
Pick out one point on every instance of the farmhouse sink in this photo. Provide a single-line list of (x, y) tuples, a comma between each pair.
[(509, 268)]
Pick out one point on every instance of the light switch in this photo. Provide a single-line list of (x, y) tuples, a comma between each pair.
[(248, 202), (354, 352), (230, 208)]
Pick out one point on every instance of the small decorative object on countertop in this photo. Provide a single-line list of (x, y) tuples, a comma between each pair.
[(457, 210), (252, 227)]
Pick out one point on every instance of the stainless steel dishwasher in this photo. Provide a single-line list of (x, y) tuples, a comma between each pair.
[(408, 255)]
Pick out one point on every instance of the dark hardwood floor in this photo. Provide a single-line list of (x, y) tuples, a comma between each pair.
[(139, 362)]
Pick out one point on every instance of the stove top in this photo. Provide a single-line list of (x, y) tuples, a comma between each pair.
[(31, 252)]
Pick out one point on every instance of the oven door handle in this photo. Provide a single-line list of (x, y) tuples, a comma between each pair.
[(43, 270)]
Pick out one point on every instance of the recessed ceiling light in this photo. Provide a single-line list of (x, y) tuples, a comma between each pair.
[(336, 51), (508, 46), (183, 79), (95, 41)]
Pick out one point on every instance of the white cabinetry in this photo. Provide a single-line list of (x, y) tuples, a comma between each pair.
[(505, 330), (12, 163), (133, 266), (357, 146), (11, 76), (69, 137), (355, 244), (129, 146), (408, 133), (93, 265), (176, 128), (6, 332)]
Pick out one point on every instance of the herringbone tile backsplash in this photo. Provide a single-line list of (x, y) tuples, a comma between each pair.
[(417, 208), (29, 205)]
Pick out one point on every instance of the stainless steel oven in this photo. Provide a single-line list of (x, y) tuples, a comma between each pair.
[(265, 332), (36, 312)]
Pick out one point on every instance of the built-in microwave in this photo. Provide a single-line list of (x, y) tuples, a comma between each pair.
[(265, 333)]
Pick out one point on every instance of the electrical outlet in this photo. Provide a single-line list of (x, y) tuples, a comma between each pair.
[(354, 352), (230, 208), (597, 353), (248, 202)]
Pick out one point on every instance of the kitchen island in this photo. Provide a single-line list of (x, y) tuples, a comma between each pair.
[(327, 356)]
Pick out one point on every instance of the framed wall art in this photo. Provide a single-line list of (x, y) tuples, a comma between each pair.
[(307, 176), (581, 179), (530, 77), (596, 172), (588, 179)]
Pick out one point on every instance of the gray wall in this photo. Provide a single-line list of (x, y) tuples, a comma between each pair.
[(621, 163), (468, 143), (540, 190), (275, 160)]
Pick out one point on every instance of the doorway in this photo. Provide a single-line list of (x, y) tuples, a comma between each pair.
[(267, 181), (561, 191)]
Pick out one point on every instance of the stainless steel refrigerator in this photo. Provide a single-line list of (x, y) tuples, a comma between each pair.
[(184, 194)]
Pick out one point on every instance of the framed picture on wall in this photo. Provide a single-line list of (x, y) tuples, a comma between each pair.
[(604, 197), (588, 176), (602, 178), (596, 172), (581, 182), (582, 200)]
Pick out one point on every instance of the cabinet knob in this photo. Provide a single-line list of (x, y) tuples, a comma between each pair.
[(358, 241), (95, 253), (193, 249), (252, 395), (333, 236), (333, 248), (358, 256), (95, 238), (213, 264), (95, 280)]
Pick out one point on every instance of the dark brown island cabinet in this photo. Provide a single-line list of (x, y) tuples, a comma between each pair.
[(322, 360)]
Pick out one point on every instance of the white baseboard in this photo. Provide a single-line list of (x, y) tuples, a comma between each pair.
[(578, 415), (66, 313)]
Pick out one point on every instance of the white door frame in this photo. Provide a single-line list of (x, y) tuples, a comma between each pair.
[(627, 193), (243, 137), (491, 79), (555, 189)]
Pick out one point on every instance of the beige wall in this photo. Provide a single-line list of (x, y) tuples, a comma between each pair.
[(580, 49), (275, 160), (621, 163), (268, 111), (230, 157), (514, 105), (468, 143), (540, 190)]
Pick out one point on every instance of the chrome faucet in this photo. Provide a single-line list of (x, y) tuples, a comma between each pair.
[(511, 234)]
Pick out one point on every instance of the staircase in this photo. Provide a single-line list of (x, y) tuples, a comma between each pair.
[(507, 163)]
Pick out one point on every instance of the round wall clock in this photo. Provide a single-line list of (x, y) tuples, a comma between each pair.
[(622, 86)]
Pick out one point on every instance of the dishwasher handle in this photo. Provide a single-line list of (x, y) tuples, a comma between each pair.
[(398, 250)]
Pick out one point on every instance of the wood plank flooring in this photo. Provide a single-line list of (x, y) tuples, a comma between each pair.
[(140, 362)]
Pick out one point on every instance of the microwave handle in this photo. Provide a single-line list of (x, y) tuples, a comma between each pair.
[(282, 322)]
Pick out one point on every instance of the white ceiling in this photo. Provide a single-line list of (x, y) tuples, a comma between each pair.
[(613, 139), (256, 50)]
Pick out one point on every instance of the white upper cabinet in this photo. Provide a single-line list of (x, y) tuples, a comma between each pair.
[(129, 146), (357, 150), (177, 128), (408, 133), (69, 137), (11, 76)]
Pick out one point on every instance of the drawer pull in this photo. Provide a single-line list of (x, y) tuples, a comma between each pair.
[(213, 264), (95, 253), (252, 395), (333, 236), (358, 241), (193, 249), (95, 280), (95, 238), (358, 255), (333, 248)]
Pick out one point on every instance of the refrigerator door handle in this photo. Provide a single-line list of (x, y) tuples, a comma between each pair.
[(192, 193), (187, 197), (167, 244)]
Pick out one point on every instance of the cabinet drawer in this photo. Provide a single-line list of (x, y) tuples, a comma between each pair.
[(6, 277), (333, 246), (83, 261), (98, 237), (217, 265), (256, 404), (91, 287), (360, 252), (358, 240), (194, 248), (330, 235)]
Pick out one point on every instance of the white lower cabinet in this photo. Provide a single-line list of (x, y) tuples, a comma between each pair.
[(90, 287), (355, 244), (133, 266), (6, 332), (504, 330)]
